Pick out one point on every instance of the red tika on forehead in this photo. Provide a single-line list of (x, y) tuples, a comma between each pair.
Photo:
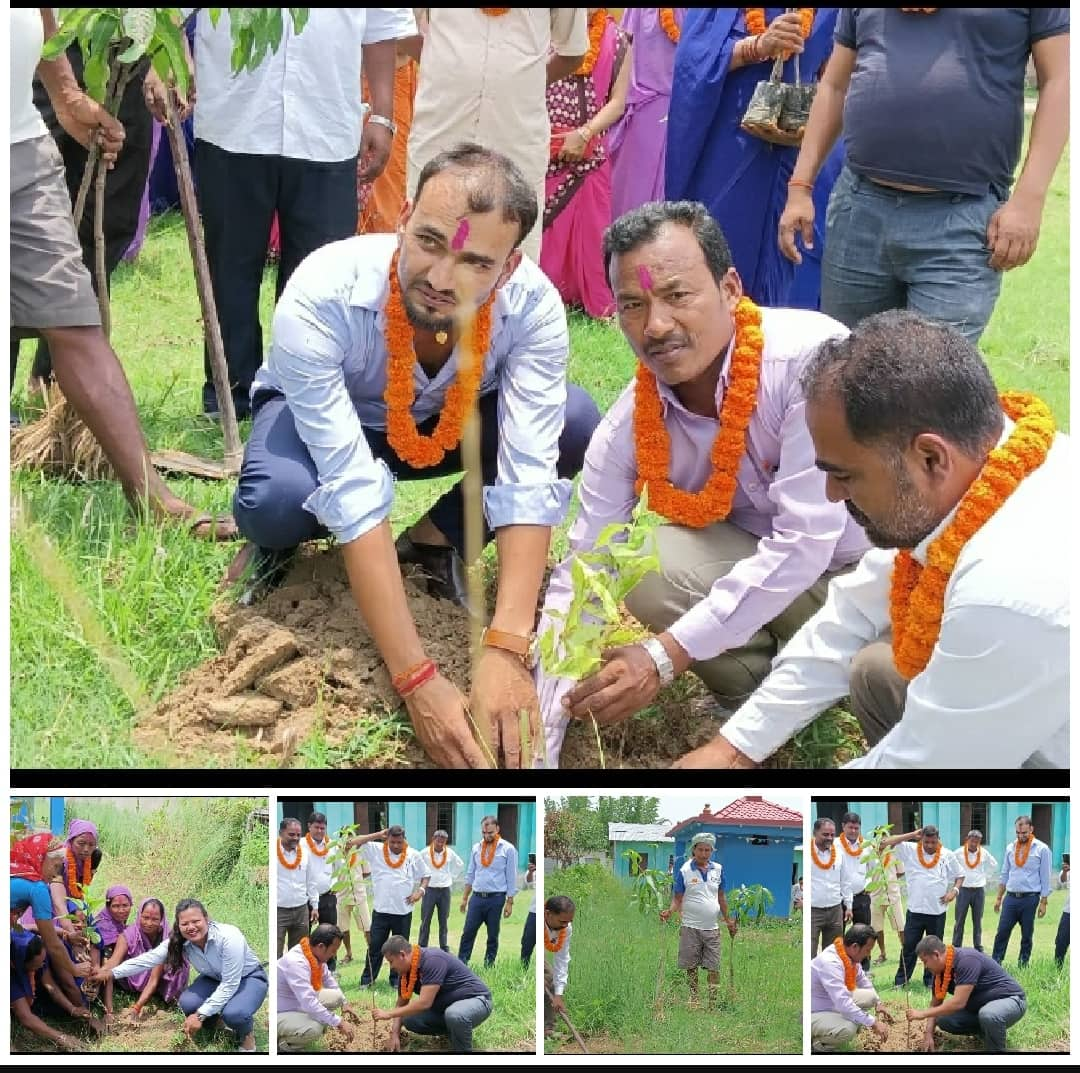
[(644, 278), (460, 235)]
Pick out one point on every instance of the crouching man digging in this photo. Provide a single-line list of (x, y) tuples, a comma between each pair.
[(841, 994), (307, 993), (450, 999), (698, 895)]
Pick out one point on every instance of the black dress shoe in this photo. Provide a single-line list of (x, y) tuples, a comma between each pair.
[(442, 567), (259, 571)]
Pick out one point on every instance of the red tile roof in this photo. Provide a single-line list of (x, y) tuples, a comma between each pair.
[(747, 811)]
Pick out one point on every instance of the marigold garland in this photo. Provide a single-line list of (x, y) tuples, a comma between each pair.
[(431, 856), (933, 860), (814, 856), (494, 10), (917, 596), (1019, 860), (669, 25), (314, 849), (556, 946), (485, 857), (281, 857), (401, 432), (756, 23), (597, 22), (407, 983), (74, 886), (400, 861), (849, 965), (857, 851), (978, 857), (941, 983), (653, 444), (313, 964)]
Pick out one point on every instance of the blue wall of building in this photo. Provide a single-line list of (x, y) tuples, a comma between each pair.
[(658, 853)]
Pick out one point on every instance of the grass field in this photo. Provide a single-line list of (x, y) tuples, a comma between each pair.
[(190, 848), (146, 591), (626, 995)]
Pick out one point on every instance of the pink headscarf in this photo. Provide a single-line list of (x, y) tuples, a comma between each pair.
[(107, 928), (80, 827)]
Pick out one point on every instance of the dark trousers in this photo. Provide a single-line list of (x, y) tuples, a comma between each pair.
[(383, 925), (975, 898), (825, 925), (860, 914), (1016, 909), (278, 473), (483, 909), (238, 194), (328, 915), (435, 898), (528, 940), (293, 923), (1061, 941), (239, 1012), (916, 925)]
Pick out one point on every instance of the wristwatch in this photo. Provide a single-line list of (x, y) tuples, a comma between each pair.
[(664, 667), (516, 643), (383, 122)]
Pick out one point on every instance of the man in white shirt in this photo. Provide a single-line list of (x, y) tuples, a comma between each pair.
[(698, 896), (855, 853), (830, 886), (285, 138), (837, 1012), (308, 995), (1024, 887), (558, 928), (297, 898), (909, 428), (933, 880), (977, 865), (398, 882), (320, 863), (442, 866)]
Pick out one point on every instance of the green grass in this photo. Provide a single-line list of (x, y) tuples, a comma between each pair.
[(150, 589), (618, 956), (188, 848)]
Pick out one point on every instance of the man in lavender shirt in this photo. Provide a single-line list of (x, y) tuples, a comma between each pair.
[(837, 1014), (304, 1013), (730, 594)]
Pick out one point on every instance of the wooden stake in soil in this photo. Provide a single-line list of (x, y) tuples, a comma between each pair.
[(569, 1024)]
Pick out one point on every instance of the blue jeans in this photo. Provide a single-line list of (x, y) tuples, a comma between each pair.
[(1016, 909), (894, 249), (239, 1012), (457, 1021), (483, 909), (991, 1022)]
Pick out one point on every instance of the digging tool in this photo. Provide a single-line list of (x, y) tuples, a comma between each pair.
[(731, 967), (569, 1024)]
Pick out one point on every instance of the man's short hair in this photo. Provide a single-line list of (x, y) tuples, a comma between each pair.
[(285, 823), (975, 834), (325, 935), (1023, 819), (899, 374), (560, 903), (316, 817), (821, 821), (930, 829), (396, 831), (440, 834), (851, 817), (494, 182), (859, 935), (639, 226), (929, 944), (490, 819), (396, 945)]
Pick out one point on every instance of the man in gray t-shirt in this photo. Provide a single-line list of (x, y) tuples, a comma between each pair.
[(930, 105)]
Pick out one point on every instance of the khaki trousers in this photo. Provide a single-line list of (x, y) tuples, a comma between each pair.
[(878, 690), (829, 1030), (296, 1030), (691, 560)]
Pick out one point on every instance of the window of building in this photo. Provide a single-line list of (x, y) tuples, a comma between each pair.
[(440, 817)]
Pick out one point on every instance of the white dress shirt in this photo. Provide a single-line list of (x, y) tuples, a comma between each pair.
[(560, 959), (995, 693), (294, 990), (296, 886), (302, 101), (829, 886), (856, 866), (392, 886), (828, 989), (986, 868), (927, 886), (321, 868), (445, 875)]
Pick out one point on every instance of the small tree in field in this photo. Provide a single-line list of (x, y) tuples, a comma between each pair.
[(750, 904)]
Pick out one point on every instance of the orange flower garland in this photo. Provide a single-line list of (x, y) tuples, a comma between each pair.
[(314, 849), (857, 851), (485, 857), (933, 860), (917, 596), (849, 965), (431, 856), (1020, 859), (494, 10), (820, 864), (316, 968), (556, 946), (670, 26), (597, 22), (74, 886), (978, 857), (941, 983), (401, 433), (281, 857), (400, 861), (407, 983), (653, 445), (757, 25)]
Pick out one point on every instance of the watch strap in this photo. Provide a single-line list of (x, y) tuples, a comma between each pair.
[(664, 667), (510, 642), (382, 121)]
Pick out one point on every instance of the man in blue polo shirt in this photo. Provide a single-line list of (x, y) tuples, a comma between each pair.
[(490, 886), (698, 895), (1025, 886)]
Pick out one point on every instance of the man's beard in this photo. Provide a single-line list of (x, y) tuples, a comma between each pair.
[(912, 519), (420, 318)]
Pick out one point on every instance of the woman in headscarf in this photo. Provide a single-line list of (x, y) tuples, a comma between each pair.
[(144, 934), (230, 981), (110, 921)]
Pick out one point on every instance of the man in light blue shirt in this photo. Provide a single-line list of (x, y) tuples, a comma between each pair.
[(491, 880), (365, 343), (1025, 885)]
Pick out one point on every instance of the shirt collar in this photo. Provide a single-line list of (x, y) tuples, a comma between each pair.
[(669, 398)]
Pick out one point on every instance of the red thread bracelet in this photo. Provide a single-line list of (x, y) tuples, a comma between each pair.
[(423, 675), (800, 182)]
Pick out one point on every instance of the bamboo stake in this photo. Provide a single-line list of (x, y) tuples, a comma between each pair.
[(569, 1024)]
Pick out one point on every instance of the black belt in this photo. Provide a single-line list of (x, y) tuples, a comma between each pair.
[(489, 894), (1022, 894)]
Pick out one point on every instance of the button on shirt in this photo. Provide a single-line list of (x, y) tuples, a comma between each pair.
[(321, 868), (392, 886), (500, 875), (226, 957), (302, 101), (779, 498), (829, 886), (1033, 876), (1001, 661), (828, 991), (294, 990), (296, 886), (444, 876), (985, 867), (328, 358), (560, 959), (700, 891), (927, 886)]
